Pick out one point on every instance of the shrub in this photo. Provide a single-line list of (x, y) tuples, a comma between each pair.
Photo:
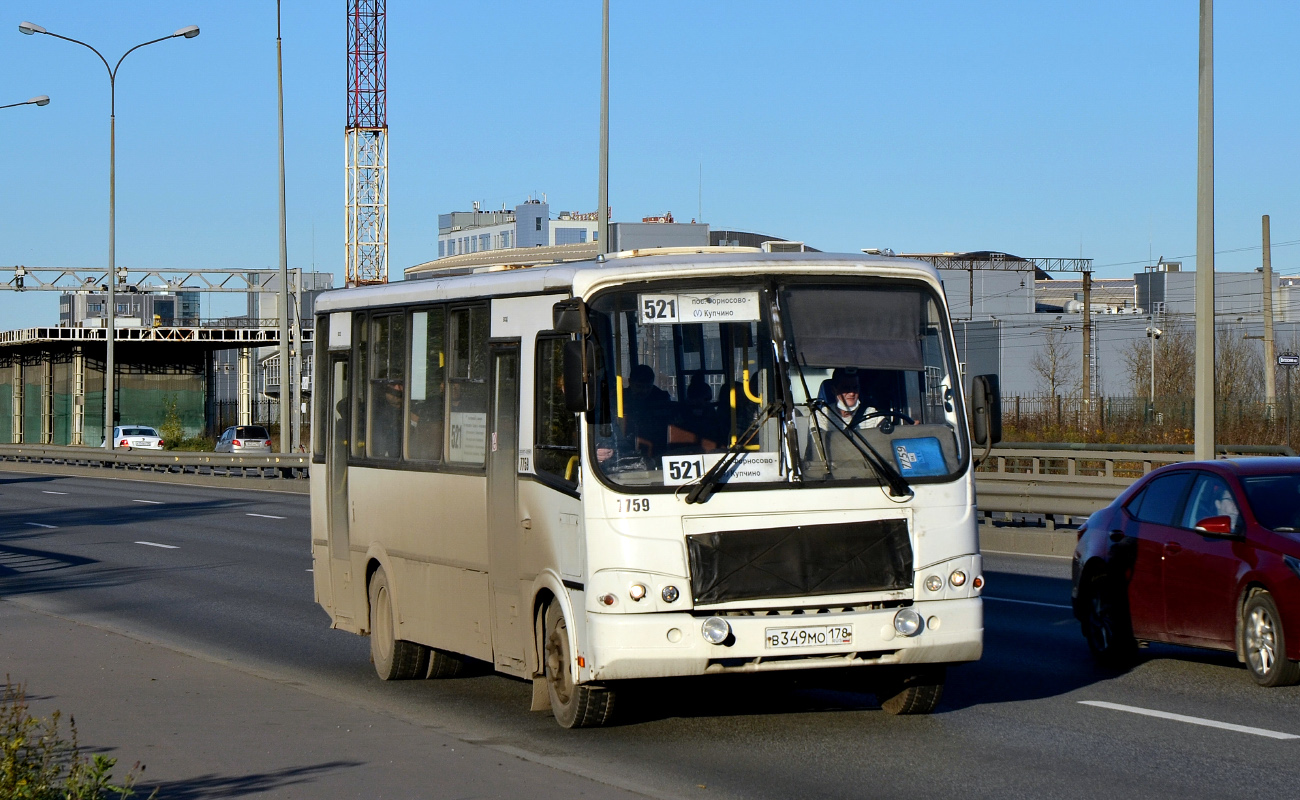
[(171, 430), (37, 763)]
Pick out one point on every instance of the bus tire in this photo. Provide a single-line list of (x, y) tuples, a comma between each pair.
[(445, 665), (574, 705), (394, 659), (917, 692)]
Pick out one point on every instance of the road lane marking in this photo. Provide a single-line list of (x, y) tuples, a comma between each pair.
[(47, 491), (311, 570), (150, 502), (264, 516), (1209, 723), (155, 544), (1030, 602), (41, 525)]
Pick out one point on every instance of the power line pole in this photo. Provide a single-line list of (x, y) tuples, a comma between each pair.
[(1204, 416), (1270, 348), (288, 431), (602, 192), (1087, 350)]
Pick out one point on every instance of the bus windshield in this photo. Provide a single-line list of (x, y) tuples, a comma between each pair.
[(857, 383)]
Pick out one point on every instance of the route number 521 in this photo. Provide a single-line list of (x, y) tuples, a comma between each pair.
[(658, 308)]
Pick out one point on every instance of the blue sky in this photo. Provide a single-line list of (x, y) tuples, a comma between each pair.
[(1042, 129)]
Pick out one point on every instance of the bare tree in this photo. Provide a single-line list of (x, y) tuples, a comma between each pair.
[(1055, 364), (1238, 366)]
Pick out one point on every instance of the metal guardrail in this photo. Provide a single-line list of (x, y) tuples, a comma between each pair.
[(1076, 479), (173, 461)]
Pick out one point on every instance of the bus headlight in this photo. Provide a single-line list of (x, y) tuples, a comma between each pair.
[(906, 621), (715, 630), (934, 583), (670, 594), (957, 578), (636, 591)]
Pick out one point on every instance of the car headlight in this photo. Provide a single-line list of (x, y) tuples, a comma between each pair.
[(907, 622), (715, 630)]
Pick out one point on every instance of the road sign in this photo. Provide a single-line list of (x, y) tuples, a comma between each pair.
[(1288, 360)]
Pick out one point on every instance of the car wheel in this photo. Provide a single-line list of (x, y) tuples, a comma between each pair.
[(574, 705), (1107, 626), (918, 692), (1264, 643), (445, 665), (394, 659)]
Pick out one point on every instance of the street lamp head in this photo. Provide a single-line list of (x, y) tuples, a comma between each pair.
[(43, 100), (29, 28), (189, 31)]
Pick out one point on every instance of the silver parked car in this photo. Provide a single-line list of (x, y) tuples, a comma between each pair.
[(244, 439), (136, 436)]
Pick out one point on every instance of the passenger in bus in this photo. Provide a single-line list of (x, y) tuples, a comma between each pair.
[(697, 425), (386, 422), (646, 409)]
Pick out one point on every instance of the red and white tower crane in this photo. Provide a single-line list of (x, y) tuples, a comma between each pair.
[(366, 140)]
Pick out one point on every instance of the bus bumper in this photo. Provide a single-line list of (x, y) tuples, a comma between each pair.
[(623, 646)]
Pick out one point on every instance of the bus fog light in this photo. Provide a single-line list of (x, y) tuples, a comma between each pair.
[(607, 600), (715, 630), (670, 594), (957, 578), (636, 592), (906, 622), (934, 583)]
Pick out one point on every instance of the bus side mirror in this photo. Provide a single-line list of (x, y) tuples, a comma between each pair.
[(569, 316), (986, 410), (576, 398)]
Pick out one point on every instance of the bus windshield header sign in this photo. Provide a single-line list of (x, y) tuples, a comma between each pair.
[(669, 309)]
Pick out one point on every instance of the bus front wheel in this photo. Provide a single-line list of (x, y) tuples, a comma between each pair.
[(574, 705), (394, 659), (915, 692)]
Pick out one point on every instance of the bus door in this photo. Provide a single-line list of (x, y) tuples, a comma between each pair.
[(504, 525), (336, 466)]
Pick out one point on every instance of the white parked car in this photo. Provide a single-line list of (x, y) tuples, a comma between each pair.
[(137, 437), (244, 439)]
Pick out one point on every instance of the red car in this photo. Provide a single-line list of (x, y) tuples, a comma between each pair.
[(1205, 554)]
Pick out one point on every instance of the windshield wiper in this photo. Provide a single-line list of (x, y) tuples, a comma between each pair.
[(708, 483), (898, 486)]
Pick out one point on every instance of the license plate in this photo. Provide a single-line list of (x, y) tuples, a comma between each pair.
[(810, 636)]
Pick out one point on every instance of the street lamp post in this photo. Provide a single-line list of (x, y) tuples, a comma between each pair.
[(42, 100), (1153, 333), (110, 323)]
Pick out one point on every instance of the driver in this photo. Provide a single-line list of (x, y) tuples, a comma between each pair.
[(847, 408)]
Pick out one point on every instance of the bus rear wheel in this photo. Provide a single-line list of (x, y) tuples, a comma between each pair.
[(916, 692), (394, 659), (574, 705)]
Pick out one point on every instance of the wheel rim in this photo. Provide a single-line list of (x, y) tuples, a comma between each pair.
[(1261, 640), (1100, 627), (382, 627), (557, 664)]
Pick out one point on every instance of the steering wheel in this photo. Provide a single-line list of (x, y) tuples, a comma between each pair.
[(887, 418)]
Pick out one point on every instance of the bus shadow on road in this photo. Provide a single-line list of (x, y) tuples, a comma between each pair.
[(19, 524), (213, 786)]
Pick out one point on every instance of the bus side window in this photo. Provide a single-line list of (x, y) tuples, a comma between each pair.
[(428, 373), (359, 353), (387, 385), (320, 414), (467, 389), (555, 452)]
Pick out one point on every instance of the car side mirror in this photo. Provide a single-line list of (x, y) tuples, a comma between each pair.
[(577, 355), (1220, 526), (986, 410), (569, 316)]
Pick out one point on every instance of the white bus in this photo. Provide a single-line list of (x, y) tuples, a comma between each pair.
[(658, 463)]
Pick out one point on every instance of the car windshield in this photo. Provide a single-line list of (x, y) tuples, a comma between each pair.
[(682, 375), (139, 432), (251, 433), (1275, 500), (872, 381)]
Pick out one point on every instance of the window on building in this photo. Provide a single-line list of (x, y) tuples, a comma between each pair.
[(467, 389), (556, 451), (484, 241), (424, 422), (387, 385), (538, 222), (442, 248)]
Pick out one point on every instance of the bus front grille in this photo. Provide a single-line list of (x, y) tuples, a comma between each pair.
[(800, 561)]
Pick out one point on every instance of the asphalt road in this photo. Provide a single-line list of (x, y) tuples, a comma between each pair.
[(223, 575)]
